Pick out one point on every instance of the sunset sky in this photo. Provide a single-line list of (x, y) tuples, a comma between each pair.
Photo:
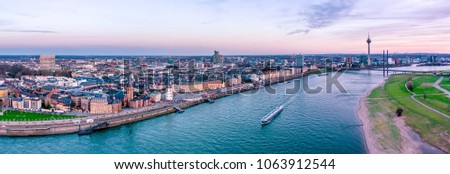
[(197, 27)]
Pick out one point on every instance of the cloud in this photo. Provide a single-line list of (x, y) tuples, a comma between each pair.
[(327, 13), (210, 21), (298, 32), (5, 22), (212, 2), (29, 31), (322, 15)]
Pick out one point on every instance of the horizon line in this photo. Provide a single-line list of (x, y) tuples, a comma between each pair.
[(193, 55)]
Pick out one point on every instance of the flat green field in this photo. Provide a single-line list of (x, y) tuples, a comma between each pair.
[(430, 95), (432, 127), (11, 115), (445, 81), (440, 102), (419, 88), (446, 87)]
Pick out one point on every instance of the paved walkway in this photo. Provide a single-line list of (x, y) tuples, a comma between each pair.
[(436, 85), (414, 95)]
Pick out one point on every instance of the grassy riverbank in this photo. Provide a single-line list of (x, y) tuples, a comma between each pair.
[(19, 116), (386, 133), (385, 100)]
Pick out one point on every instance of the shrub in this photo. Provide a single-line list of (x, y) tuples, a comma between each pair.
[(409, 85), (399, 112)]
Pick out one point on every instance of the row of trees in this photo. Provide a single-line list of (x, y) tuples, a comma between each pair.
[(17, 71)]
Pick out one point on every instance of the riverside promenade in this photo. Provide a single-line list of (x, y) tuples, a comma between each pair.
[(68, 126)]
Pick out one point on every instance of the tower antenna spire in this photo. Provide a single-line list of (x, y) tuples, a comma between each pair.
[(368, 49)]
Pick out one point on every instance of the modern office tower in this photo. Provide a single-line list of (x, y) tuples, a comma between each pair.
[(217, 58), (300, 60)]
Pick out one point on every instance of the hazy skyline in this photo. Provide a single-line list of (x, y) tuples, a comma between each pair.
[(197, 27)]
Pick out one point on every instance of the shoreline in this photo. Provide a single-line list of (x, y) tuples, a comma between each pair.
[(363, 115), (56, 127)]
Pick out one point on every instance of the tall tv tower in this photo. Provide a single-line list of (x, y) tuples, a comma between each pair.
[(368, 49)]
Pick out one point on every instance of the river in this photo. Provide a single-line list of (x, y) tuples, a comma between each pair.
[(310, 123)]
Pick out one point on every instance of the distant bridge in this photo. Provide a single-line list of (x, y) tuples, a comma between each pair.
[(394, 71)]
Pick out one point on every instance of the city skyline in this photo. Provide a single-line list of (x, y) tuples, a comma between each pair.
[(233, 27)]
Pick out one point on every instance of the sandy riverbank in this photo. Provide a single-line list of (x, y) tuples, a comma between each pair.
[(410, 142), (363, 115)]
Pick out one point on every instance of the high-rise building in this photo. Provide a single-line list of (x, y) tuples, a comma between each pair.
[(47, 62), (363, 59), (217, 58), (299, 63), (299, 60), (432, 59), (368, 50)]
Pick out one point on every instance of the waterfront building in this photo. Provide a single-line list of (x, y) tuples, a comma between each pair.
[(17, 103), (190, 87), (100, 106), (3, 92), (169, 93), (129, 91), (76, 99), (254, 77), (218, 58), (85, 104), (216, 84), (147, 101), (47, 62), (133, 104), (129, 94), (116, 106), (234, 81), (136, 103), (7, 102), (34, 104), (26, 103), (63, 104), (155, 97)]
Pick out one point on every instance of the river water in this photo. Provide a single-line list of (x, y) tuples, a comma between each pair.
[(310, 123)]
